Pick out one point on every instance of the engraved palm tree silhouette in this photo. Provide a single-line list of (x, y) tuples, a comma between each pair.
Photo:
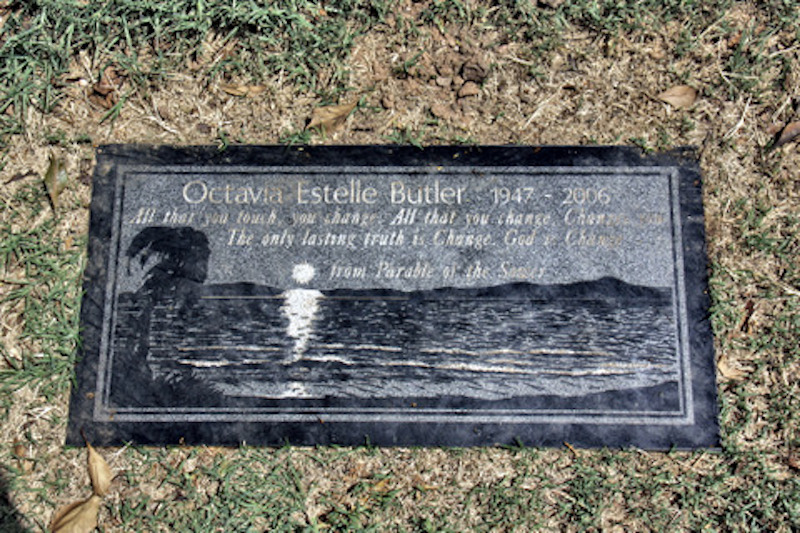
[(171, 257), (174, 263)]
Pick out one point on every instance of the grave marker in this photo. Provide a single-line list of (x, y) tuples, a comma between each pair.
[(446, 296)]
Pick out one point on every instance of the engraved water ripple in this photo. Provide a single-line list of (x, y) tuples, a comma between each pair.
[(363, 348)]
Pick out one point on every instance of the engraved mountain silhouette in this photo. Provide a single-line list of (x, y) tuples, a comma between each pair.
[(606, 288)]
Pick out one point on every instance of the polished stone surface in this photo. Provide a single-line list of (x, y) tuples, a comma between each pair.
[(396, 296)]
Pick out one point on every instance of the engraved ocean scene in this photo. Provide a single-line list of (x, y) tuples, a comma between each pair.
[(244, 341), (305, 344)]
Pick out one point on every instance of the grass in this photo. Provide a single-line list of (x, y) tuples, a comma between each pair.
[(41, 277), (309, 42), (560, 73), (149, 40), (289, 490)]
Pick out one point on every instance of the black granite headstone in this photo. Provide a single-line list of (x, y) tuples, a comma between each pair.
[(397, 296)]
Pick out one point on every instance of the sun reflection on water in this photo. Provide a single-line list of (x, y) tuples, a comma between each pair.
[(300, 307)]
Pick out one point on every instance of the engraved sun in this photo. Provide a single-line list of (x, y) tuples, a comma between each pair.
[(303, 273)]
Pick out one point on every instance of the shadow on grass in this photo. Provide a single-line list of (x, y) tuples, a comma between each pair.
[(10, 518)]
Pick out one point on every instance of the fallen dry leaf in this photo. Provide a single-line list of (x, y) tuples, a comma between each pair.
[(78, 517), (734, 40), (331, 117), (729, 370), (442, 111), (793, 460), (680, 96), (55, 179), (749, 308), (774, 128), (242, 90), (99, 472), (381, 486), (419, 483), (106, 102), (470, 88), (104, 92), (388, 101), (21, 453), (19, 176), (789, 133), (475, 70), (108, 82)]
